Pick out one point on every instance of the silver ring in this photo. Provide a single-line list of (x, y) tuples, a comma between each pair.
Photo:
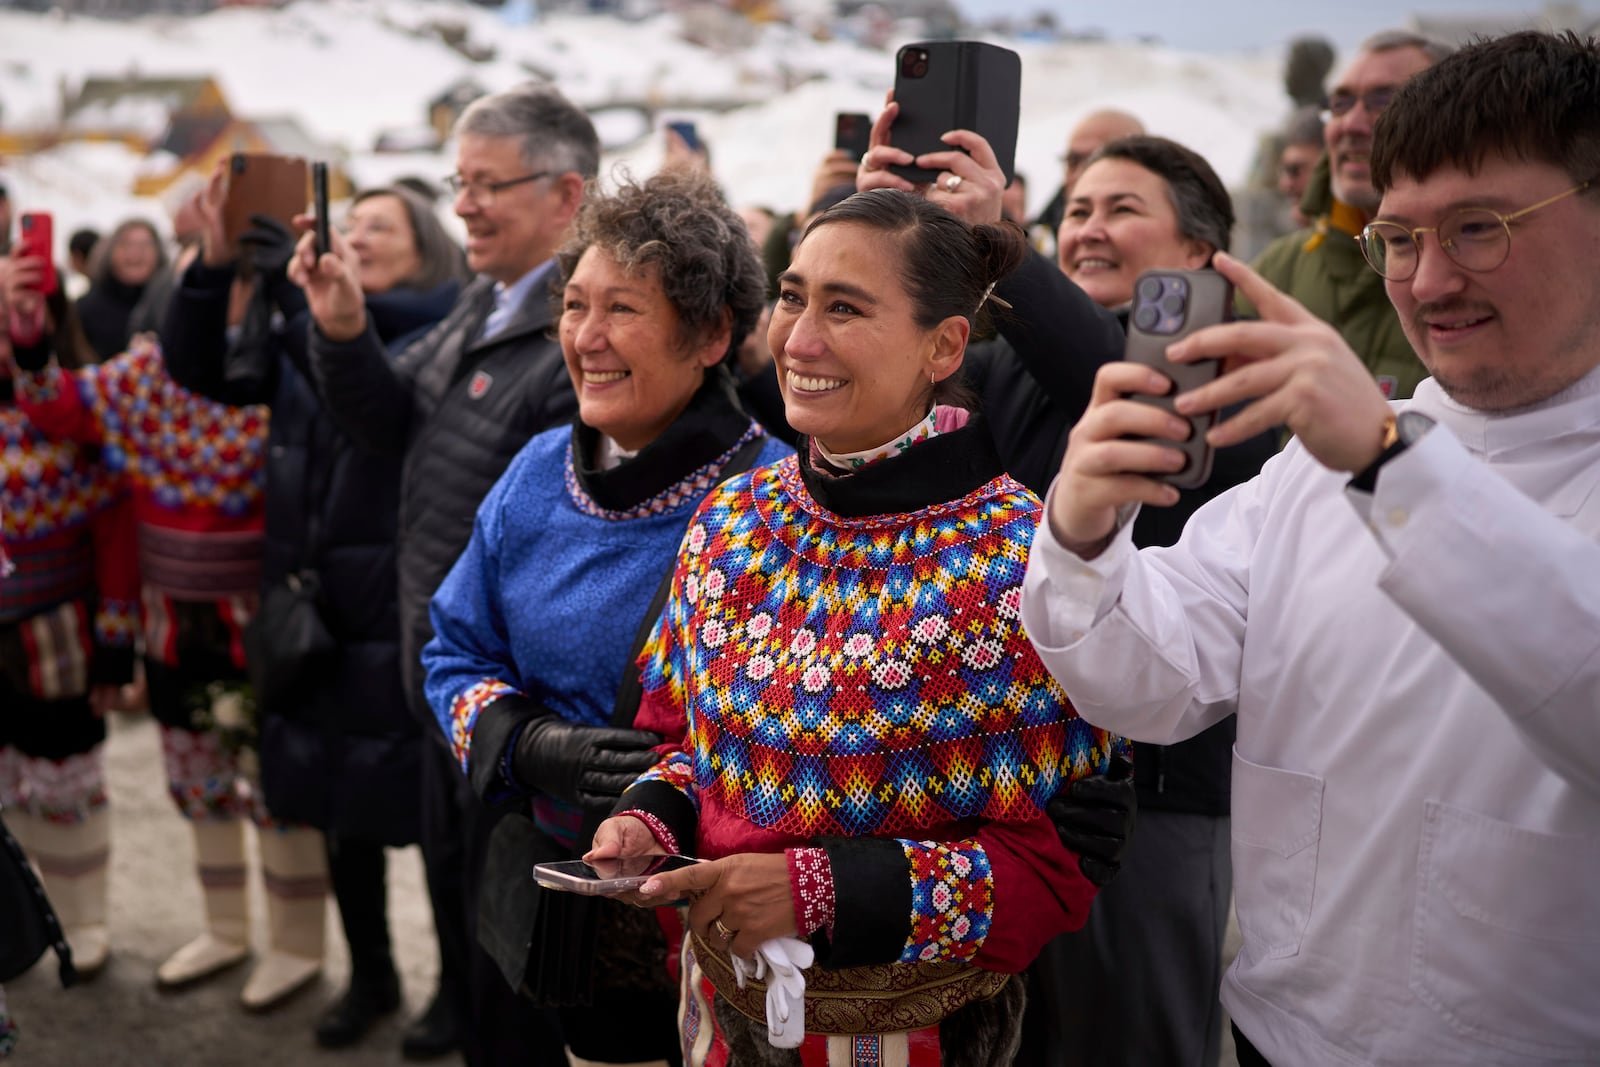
[(951, 183)]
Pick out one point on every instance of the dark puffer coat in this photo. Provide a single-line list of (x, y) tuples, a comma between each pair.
[(344, 757), (459, 408)]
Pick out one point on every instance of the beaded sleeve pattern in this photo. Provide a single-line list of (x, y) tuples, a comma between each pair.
[(464, 712)]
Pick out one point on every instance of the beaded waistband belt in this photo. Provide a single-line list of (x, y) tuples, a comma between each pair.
[(879, 999)]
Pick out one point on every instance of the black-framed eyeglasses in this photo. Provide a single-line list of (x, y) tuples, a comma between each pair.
[(1342, 103), (483, 193), (1476, 238)]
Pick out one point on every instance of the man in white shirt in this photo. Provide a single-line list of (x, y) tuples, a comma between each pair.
[(1403, 608)]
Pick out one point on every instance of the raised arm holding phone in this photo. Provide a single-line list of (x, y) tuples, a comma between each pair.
[(1402, 610)]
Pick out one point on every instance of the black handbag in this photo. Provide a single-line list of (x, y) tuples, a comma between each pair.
[(28, 924), (287, 644)]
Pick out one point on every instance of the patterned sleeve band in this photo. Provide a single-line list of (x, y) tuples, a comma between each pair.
[(811, 885), (658, 830), (952, 900), (464, 712)]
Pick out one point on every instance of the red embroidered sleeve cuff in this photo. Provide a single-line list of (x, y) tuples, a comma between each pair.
[(811, 884), (658, 830)]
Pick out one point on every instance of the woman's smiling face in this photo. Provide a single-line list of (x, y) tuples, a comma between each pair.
[(1119, 223), (854, 366)]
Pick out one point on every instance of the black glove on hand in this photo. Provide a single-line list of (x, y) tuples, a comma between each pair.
[(269, 244), (585, 765), (1094, 817)]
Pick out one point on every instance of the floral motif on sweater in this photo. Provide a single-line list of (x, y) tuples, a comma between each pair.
[(861, 676)]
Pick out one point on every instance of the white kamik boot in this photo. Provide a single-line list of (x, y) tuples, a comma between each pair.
[(219, 860), (74, 862), (294, 864)]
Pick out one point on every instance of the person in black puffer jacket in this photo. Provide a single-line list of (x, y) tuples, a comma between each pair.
[(458, 405), (339, 749), (121, 268)]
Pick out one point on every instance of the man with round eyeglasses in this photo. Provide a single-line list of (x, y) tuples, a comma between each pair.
[(1403, 609), (1319, 266)]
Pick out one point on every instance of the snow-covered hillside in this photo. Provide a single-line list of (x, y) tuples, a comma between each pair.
[(348, 69)]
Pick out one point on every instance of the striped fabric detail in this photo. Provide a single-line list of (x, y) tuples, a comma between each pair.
[(46, 576), (304, 887), (58, 647), (191, 565), (160, 629), (231, 877), (70, 866)]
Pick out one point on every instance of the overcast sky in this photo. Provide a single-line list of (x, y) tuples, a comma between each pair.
[(1221, 25)]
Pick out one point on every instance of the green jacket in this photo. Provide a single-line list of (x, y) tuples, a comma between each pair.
[(1322, 267)]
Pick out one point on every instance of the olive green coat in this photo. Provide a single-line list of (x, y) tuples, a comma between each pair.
[(1323, 269)]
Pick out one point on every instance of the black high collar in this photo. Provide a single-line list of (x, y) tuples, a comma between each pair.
[(935, 471), (706, 429)]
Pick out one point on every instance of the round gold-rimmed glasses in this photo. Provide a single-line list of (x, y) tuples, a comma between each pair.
[(1475, 237)]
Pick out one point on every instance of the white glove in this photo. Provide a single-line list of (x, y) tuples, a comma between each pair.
[(781, 962)]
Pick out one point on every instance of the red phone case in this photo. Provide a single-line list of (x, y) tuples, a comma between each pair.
[(36, 237)]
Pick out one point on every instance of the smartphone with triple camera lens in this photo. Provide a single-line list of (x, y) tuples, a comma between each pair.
[(1169, 305), (955, 85), (36, 237), (606, 877), (852, 132)]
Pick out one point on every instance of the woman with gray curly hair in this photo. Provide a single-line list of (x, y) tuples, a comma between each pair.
[(531, 672)]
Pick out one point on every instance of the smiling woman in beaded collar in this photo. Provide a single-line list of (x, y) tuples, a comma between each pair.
[(858, 734), (537, 624)]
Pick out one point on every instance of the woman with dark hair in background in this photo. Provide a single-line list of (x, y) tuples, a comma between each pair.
[(119, 269), (1149, 961), (858, 738), (537, 625), (339, 750)]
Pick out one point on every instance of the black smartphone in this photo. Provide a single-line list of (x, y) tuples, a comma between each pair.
[(955, 85), (852, 132), (606, 877), (686, 130), (1169, 305), (319, 205)]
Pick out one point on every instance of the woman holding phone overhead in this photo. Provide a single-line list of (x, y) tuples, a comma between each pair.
[(537, 624), (857, 734)]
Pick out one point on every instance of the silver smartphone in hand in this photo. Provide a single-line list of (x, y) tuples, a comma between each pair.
[(605, 878)]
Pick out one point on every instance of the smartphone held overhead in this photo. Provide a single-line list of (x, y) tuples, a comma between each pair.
[(36, 237), (955, 85), (319, 205), (1169, 305), (258, 184)]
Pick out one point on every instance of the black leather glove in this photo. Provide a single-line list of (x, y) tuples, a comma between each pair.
[(269, 245), (585, 765), (1094, 817)]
